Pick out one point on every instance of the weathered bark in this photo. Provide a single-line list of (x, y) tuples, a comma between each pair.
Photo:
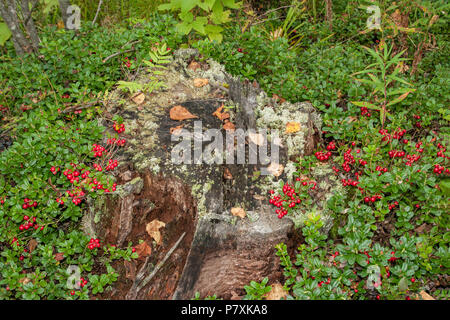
[(64, 6), (8, 11), (29, 24)]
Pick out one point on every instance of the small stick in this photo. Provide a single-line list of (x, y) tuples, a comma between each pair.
[(116, 54), (98, 10), (160, 264)]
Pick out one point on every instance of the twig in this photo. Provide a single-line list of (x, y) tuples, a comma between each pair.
[(81, 106), (98, 10), (160, 264), (116, 54)]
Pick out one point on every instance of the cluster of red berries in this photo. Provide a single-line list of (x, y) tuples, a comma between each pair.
[(65, 96), (392, 206), (323, 156), (362, 162), (97, 167), (112, 164), (392, 259), (372, 198), (416, 117), (98, 150), (365, 112), (27, 204), (76, 196), (3, 109), (349, 182), (119, 128), (30, 223), (127, 62), (93, 243), (348, 159), (331, 146), (397, 134), (117, 142), (323, 282), (292, 198), (412, 158), (396, 154), (54, 170), (441, 151), (83, 282), (439, 169), (335, 169), (74, 176), (381, 170)]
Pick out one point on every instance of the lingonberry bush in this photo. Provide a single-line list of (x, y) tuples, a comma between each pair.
[(60, 157), (386, 141)]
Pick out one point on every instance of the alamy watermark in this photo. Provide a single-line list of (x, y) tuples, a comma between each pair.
[(229, 148)]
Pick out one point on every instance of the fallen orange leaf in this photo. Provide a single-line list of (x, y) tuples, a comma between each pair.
[(180, 113), (238, 212), (199, 82), (194, 65), (143, 249), (229, 126)]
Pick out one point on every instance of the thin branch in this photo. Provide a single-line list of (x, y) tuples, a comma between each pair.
[(160, 264), (98, 10), (116, 54)]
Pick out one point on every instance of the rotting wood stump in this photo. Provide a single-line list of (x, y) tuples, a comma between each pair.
[(204, 248)]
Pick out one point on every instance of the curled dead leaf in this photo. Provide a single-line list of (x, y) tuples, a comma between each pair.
[(152, 229), (138, 98), (194, 65), (221, 115), (292, 127), (181, 113), (227, 174), (199, 82), (32, 244), (229, 126), (276, 293), (275, 169), (425, 296), (238, 212), (143, 249)]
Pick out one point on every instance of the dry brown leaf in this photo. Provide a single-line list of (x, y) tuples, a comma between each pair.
[(221, 115), (143, 249), (138, 98), (229, 126), (256, 138), (292, 127), (235, 296), (24, 280), (194, 65), (152, 229), (172, 130), (275, 169), (59, 256), (227, 174), (60, 24), (259, 197), (238, 212), (181, 113), (278, 98), (277, 292), (199, 82), (425, 296), (32, 244)]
